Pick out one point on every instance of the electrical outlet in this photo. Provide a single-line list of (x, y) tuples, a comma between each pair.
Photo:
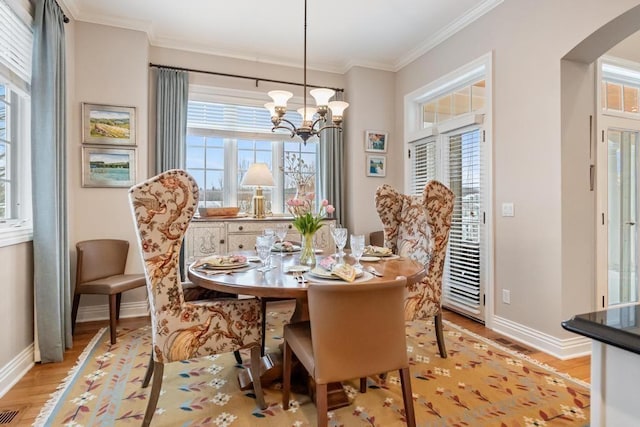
[(506, 296), (507, 209)]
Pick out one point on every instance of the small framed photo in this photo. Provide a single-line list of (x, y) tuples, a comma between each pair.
[(108, 167), (376, 165), (375, 141), (108, 124)]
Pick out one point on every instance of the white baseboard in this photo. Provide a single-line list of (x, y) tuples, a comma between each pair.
[(562, 349), (91, 313), (13, 371)]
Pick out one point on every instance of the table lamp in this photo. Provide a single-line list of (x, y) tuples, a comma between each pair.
[(258, 176)]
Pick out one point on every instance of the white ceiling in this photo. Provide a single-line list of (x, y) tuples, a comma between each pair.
[(341, 33)]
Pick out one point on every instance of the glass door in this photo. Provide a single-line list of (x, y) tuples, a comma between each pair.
[(622, 207)]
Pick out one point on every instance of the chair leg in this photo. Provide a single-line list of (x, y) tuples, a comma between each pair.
[(322, 404), (112, 317), (118, 301), (440, 335), (238, 357), (255, 375), (74, 312), (263, 308), (155, 393), (405, 381), (149, 373), (363, 385), (286, 375)]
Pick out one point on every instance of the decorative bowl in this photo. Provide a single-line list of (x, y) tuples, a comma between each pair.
[(226, 211)]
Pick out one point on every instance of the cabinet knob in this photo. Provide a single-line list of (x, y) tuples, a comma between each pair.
[(240, 246), (221, 241), (290, 226), (240, 228)]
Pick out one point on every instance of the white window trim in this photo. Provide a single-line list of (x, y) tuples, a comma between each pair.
[(413, 131)]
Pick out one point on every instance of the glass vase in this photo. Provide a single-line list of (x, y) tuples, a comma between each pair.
[(307, 252)]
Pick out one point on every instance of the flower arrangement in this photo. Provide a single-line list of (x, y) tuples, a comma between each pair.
[(304, 221)]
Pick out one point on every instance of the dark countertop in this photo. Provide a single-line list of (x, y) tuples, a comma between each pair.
[(619, 326)]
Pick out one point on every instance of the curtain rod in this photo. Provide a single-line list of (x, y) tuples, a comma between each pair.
[(238, 76), (65, 19)]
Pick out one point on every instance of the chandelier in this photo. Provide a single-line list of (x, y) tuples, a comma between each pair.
[(309, 126)]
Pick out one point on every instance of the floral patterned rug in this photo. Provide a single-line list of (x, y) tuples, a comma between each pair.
[(480, 384)]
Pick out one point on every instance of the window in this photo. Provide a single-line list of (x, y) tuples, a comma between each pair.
[(446, 143), (620, 86), (15, 179), (224, 139)]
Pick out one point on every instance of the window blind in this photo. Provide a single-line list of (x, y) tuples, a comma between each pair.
[(16, 41), (461, 284), (423, 164), (236, 120)]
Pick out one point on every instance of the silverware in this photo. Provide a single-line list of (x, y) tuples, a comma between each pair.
[(299, 277), (374, 272)]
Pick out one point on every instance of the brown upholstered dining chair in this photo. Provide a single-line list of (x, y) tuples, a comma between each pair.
[(100, 270), (162, 208), (353, 331), (418, 227)]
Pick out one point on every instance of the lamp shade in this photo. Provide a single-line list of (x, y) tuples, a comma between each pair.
[(322, 96), (338, 107), (258, 175), (307, 113), (280, 97)]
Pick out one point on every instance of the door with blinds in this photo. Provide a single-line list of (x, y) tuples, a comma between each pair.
[(455, 159)]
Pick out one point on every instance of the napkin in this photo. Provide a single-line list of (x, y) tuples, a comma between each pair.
[(221, 260), (345, 272), (377, 250)]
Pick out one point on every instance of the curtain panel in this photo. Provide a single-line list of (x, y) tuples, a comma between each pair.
[(172, 99), (49, 170), (332, 177)]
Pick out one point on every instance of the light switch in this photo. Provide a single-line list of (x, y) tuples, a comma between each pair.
[(507, 209)]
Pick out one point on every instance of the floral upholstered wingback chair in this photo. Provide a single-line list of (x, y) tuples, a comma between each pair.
[(418, 227), (162, 208)]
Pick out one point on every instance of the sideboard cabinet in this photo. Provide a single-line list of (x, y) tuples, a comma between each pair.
[(209, 236)]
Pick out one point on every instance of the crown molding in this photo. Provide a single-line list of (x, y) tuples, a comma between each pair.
[(71, 6), (446, 32)]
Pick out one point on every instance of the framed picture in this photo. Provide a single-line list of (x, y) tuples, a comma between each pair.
[(375, 141), (376, 165), (107, 124), (108, 167)]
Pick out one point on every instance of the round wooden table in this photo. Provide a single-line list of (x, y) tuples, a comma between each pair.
[(278, 284)]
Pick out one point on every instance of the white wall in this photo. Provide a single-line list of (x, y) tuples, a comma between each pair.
[(530, 167), (111, 67)]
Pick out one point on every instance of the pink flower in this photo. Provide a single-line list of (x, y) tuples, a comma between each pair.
[(310, 196), (330, 209), (325, 202)]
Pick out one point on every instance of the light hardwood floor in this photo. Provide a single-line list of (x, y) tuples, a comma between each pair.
[(34, 388)]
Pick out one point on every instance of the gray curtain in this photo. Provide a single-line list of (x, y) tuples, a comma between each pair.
[(172, 101), (51, 274), (332, 176), (172, 97)]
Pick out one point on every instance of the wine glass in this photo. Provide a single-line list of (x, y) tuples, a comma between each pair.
[(263, 248), (340, 237), (357, 248), (271, 233), (281, 232)]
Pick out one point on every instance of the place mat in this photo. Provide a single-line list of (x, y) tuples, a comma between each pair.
[(366, 276)]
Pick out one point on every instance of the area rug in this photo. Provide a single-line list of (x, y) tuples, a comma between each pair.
[(480, 384)]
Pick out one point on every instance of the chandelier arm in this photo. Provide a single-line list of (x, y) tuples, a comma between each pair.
[(293, 131)]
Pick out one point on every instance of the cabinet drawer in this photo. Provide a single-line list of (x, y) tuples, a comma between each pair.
[(256, 227), (241, 242)]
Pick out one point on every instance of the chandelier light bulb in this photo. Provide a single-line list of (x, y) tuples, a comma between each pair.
[(271, 107), (322, 96), (337, 107), (280, 97)]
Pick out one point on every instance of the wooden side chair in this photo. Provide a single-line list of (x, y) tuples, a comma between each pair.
[(162, 208), (418, 227), (100, 270), (353, 331)]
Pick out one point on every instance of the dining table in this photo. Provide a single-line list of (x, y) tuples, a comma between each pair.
[(286, 280)]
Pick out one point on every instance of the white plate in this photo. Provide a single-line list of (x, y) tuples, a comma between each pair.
[(253, 258), (369, 258), (295, 248), (324, 274), (297, 269), (233, 266)]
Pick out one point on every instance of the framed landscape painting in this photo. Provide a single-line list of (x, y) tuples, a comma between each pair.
[(108, 124), (375, 141), (108, 167), (376, 166)]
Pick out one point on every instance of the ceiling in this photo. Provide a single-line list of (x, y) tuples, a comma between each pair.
[(341, 33)]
